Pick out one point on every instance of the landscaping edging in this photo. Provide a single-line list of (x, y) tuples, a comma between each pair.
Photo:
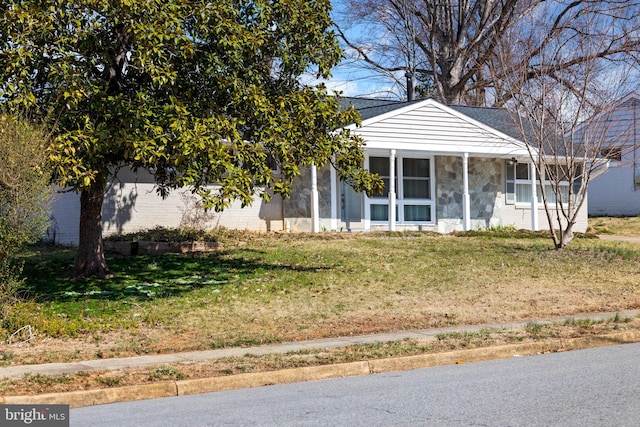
[(144, 247)]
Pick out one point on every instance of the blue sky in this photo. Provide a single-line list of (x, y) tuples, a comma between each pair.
[(354, 80)]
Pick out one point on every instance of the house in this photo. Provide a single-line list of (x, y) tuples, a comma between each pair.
[(617, 191), (454, 168)]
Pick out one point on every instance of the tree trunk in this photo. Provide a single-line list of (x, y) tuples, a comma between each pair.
[(566, 236), (91, 261)]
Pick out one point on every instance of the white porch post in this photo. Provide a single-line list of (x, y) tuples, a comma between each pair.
[(392, 190), (335, 199), (315, 210), (534, 197), (466, 215)]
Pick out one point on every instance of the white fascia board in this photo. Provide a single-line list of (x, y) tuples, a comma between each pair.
[(505, 151)]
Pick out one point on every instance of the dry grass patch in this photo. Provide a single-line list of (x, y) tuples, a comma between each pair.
[(37, 384), (277, 288), (625, 226)]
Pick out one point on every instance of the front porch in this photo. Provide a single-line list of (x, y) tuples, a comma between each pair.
[(440, 192), (445, 168)]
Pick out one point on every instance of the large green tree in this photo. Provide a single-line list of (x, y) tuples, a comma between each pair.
[(196, 92)]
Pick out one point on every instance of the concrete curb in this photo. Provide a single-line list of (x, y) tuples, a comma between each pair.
[(108, 364), (314, 373)]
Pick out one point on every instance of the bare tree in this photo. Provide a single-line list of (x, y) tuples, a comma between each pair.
[(564, 113), (453, 44)]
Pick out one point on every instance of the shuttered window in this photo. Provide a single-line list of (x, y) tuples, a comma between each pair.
[(518, 184)]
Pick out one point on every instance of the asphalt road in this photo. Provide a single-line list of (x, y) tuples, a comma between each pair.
[(596, 387)]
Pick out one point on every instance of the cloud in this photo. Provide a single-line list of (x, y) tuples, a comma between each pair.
[(356, 84)]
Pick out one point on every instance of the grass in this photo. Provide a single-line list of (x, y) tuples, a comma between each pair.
[(313, 357), (626, 226), (268, 288)]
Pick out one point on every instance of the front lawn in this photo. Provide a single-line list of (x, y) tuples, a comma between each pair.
[(265, 288)]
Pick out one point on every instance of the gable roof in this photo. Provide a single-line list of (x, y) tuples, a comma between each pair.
[(496, 118), (371, 107), (427, 125), (631, 100), (616, 125)]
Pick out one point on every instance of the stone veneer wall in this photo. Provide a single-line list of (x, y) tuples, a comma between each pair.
[(485, 185), (485, 190), (297, 209)]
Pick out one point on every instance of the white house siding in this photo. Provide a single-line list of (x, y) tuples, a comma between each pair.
[(65, 217), (519, 216), (132, 204), (434, 128), (617, 191)]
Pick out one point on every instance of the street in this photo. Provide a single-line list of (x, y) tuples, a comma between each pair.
[(596, 387)]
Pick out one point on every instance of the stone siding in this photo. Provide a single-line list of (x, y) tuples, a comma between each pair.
[(485, 185)]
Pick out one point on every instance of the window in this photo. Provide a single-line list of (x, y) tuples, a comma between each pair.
[(518, 183), (523, 183), (273, 163), (379, 211), (380, 165), (612, 153), (413, 184), (415, 178)]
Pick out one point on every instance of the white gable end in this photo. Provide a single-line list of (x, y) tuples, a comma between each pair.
[(431, 126)]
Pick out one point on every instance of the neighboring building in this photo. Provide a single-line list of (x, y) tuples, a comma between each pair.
[(617, 191), (454, 168)]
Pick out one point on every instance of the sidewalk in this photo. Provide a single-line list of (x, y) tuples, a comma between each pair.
[(194, 386), (619, 238), (327, 343)]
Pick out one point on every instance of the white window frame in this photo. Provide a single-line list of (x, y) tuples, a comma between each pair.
[(525, 184), (401, 201)]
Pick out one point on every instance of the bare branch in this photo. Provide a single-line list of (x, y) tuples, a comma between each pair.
[(457, 44)]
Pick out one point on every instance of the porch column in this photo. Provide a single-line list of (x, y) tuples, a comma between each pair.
[(392, 190), (335, 199), (315, 210), (534, 197), (466, 205)]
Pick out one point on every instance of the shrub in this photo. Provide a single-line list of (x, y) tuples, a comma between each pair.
[(25, 194)]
